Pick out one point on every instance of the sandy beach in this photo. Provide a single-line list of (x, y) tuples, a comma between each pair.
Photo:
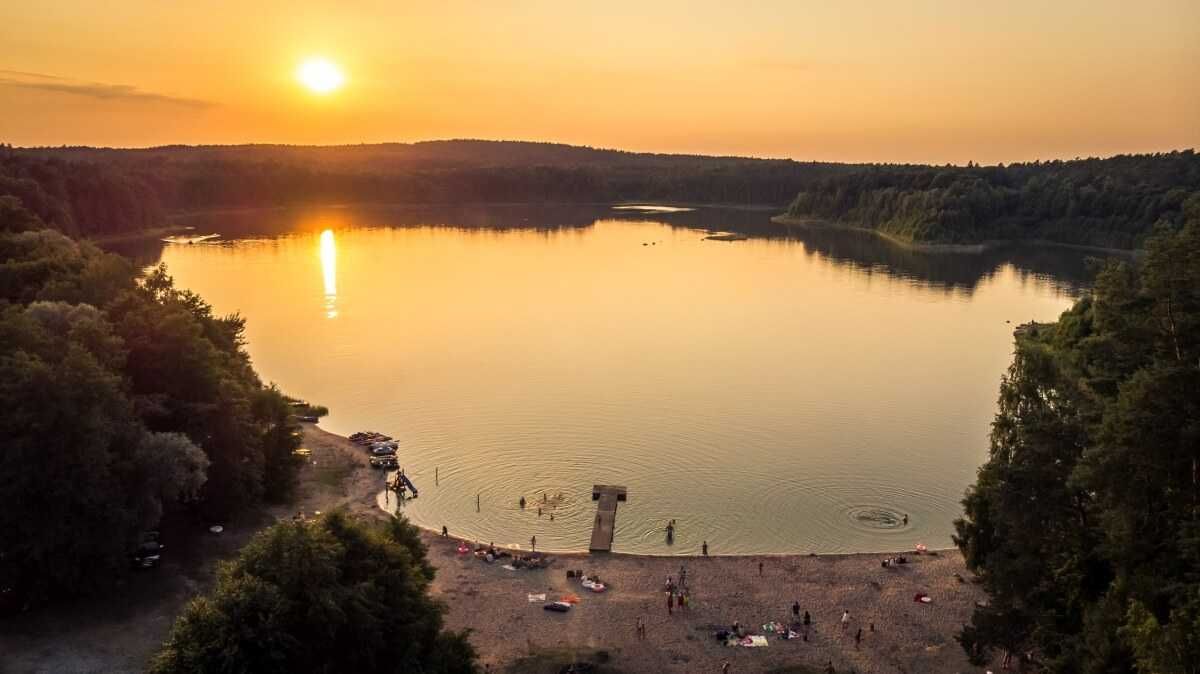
[(505, 626)]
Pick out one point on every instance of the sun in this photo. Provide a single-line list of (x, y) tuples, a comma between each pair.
[(320, 75)]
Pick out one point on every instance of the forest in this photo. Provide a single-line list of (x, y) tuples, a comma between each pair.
[(123, 397), (1109, 203), (1084, 523), (96, 192)]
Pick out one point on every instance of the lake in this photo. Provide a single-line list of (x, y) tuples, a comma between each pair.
[(797, 391)]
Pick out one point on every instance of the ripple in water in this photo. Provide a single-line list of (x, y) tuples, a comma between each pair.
[(876, 517)]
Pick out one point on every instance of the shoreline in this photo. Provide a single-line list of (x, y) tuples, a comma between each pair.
[(365, 494), (950, 248), (233, 210), (138, 235), (514, 634)]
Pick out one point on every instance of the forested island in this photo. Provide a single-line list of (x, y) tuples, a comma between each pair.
[(1107, 203)]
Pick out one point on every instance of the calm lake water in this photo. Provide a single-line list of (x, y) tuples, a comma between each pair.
[(797, 391)]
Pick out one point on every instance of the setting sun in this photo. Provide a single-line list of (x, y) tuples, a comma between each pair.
[(320, 76)]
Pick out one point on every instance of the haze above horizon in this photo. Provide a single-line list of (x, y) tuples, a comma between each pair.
[(929, 82)]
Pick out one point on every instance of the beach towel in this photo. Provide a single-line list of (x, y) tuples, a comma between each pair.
[(510, 567), (569, 598), (558, 607), (596, 587), (754, 641), (537, 597), (922, 597)]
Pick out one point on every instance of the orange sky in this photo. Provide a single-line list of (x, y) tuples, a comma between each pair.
[(866, 81)]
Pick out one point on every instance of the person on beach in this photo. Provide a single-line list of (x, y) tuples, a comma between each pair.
[(704, 549), (533, 543), (760, 568), (796, 610), (640, 629), (671, 603), (845, 620), (807, 619), (725, 668), (858, 638), (445, 531)]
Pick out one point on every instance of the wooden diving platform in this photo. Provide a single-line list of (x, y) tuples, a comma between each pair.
[(606, 515)]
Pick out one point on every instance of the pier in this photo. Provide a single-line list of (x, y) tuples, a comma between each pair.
[(606, 515), (402, 483)]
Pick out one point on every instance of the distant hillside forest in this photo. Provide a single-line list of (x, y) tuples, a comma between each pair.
[(97, 192), (1111, 203)]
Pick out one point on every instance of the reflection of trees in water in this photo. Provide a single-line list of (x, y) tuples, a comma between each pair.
[(1065, 269)]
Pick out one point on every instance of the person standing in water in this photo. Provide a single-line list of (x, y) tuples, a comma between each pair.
[(533, 543), (522, 503)]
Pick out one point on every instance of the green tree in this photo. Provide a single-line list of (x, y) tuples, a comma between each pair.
[(1083, 523), (329, 595)]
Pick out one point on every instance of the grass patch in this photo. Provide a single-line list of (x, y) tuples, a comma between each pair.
[(332, 474)]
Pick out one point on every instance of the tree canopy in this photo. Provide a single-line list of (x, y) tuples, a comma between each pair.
[(327, 595), (1084, 523), (1112, 203), (122, 396)]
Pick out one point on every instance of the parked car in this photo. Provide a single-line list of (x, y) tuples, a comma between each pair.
[(149, 551)]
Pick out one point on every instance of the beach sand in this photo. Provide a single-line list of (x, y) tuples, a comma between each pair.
[(492, 601)]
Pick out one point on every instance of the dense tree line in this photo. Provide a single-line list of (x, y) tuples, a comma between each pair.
[(1084, 523), (96, 192), (1112, 203), (329, 595), (122, 396)]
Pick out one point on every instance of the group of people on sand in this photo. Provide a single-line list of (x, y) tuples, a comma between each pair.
[(677, 593)]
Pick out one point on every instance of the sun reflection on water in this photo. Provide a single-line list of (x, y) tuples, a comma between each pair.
[(329, 271)]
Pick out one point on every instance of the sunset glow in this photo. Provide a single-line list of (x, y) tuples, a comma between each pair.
[(928, 81), (320, 75)]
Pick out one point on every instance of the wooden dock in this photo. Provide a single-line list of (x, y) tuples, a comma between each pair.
[(606, 515)]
